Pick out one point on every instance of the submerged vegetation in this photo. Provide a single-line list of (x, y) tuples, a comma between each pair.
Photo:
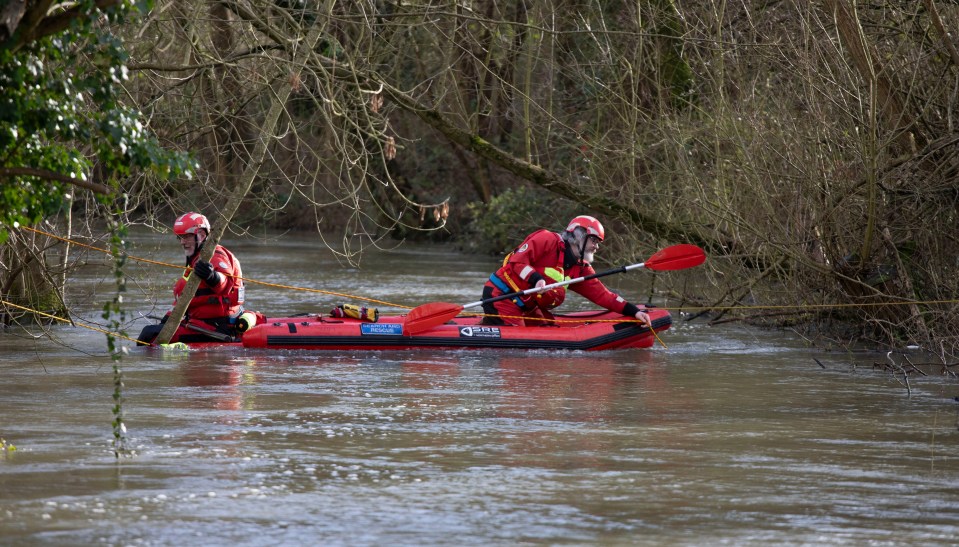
[(810, 148)]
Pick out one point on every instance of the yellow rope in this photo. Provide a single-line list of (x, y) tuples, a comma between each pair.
[(62, 320), (809, 306), (278, 285), (392, 305), (245, 279), (118, 335)]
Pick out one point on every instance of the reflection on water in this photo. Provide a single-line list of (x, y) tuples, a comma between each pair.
[(729, 436)]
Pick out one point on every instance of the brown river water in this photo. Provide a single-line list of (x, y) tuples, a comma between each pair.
[(726, 436)]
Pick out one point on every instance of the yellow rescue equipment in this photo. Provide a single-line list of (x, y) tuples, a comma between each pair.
[(356, 312)]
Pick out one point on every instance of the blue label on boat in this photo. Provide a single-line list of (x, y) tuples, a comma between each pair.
[(381, 328), (479, 332)]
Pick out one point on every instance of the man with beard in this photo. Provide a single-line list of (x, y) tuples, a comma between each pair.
[(219, 298), (545, 258)]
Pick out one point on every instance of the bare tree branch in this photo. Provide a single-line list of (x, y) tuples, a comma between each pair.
[(51, 175)]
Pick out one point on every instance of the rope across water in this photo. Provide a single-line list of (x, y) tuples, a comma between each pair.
[(685, 308)]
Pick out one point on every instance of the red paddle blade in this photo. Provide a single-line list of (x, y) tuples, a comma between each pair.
[(676, 257), (427, 316)]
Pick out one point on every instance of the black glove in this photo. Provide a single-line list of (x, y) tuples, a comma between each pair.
[(206, 272)]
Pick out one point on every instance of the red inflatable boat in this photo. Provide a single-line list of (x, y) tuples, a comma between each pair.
[(438, 325), (585, 331)]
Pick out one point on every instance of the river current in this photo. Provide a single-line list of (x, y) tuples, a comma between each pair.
[(720, 435)]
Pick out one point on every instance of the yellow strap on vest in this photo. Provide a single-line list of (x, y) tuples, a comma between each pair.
[(557, 276), (554, 274)]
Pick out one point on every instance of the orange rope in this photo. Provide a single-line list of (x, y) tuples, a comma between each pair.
[(62, 320), (392, 305), (245, 279)]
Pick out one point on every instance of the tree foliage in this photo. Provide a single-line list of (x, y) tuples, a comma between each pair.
[(796, 141), (63, 123), (810, 147)]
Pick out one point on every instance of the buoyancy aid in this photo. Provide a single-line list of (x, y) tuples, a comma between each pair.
[(224, 300), (552, 298), (527, 264), (540, 256)]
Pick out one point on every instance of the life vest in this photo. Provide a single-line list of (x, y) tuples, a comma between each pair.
[(224, 300), (548, 250), (554, 297), (546, 300), (556, 274)]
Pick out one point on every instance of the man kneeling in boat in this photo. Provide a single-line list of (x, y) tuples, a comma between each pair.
[(219, 299), (548, 257)]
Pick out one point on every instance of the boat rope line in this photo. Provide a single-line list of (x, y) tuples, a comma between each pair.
[(245, 279), (63, 320), (554, 320), (265, 283), (180, 346), (687, 309)]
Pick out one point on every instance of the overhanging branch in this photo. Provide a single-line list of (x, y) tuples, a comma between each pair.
[(53, 175)]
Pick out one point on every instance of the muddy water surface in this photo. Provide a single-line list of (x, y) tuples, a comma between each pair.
[(727, 436)]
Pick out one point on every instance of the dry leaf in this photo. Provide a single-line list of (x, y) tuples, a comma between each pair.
[(390, 149), (376, 102)]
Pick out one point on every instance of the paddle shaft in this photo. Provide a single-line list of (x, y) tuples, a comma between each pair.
[(675, 257), (211, 333), (281, 90), (621, 269)]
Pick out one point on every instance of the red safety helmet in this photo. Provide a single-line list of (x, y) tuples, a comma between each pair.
[(188, 224), (588, 223)]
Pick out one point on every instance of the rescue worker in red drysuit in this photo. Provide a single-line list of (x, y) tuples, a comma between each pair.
[(219, 298), (545, 258)]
